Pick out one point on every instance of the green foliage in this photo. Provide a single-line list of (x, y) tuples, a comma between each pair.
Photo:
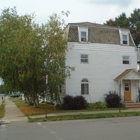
[(96, 105), (2, 109), (112, 99), (74, 103), (132, 23), (29, 52)]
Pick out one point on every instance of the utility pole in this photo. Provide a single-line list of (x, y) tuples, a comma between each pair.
[(119, 96), (46, 92)]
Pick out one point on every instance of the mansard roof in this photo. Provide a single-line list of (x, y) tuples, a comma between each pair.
[(97, 33)]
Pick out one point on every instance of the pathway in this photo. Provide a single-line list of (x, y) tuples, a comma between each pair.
[(12, 113)]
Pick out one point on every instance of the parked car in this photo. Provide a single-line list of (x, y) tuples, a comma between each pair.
[(15, 94)]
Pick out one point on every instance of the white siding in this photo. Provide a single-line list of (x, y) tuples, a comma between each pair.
[(105, 64)]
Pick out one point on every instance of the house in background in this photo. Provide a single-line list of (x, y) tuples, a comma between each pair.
[(105, 59)]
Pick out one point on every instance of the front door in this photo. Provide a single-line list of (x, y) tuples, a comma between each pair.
[(127, 90)]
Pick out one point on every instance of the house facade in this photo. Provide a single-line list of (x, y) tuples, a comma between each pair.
[(104, 58)]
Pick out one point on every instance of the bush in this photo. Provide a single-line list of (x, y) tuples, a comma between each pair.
[(79, 102), (73, 103), (68, 103), (100, 105), (112, 99), (97, 105)]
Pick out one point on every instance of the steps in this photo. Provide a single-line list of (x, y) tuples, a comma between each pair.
[(131, 104)]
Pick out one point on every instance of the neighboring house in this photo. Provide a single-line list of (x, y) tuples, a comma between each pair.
[(105, 59)]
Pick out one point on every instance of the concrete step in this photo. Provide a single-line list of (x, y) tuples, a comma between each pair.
[(132, 105)]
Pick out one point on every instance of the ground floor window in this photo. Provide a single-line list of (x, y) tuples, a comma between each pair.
[(84, 86)]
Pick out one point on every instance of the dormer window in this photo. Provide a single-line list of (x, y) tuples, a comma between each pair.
[(83, 36), (125, 40)]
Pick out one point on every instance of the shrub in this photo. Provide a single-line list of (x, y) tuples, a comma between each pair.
[(90, 106), (68, 103), (112, 99), (97, 105), (79, 102), (100, 105), (73, 103)]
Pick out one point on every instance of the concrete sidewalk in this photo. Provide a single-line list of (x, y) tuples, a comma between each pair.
[(85, 112), (12, 113)]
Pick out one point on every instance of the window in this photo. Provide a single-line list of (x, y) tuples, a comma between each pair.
[(84, 86), (83, 36), (84, 58), (126, 87), (125, 39), (126, 60)]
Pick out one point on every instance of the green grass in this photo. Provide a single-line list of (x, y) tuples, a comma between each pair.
[(84, 116), (2, 109), (30, 110)]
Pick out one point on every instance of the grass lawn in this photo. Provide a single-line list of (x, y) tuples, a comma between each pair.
[(84, 116), (2, 109), (30, 110)]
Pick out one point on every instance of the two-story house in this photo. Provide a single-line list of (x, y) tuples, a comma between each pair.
[(105, 59)]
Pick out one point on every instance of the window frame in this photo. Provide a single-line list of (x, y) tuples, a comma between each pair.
[(125, 60), (83, 38), (84, 58), (125, 40), (84, 87), (85, 30)]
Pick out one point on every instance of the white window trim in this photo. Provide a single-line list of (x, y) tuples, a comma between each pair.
[(84, 84), (83, 29), (127, 39), (83, 58), (126, 59), (124, 32)]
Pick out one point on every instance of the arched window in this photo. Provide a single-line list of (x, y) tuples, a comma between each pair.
[(84, 86)]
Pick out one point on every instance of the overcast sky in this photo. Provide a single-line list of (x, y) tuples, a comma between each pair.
[(97, 11)]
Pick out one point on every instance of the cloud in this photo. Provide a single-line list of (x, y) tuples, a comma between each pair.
[(121, 3)]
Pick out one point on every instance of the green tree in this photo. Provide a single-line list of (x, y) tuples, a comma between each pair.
[(132, 23), (21, 58), (29, 52), (55, 48)]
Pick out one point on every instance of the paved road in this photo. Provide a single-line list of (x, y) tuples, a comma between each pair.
[(127, 128)]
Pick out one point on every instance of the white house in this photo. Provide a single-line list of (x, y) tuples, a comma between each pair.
[(105, 59)]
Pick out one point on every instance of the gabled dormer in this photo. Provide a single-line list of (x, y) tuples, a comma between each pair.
[(83, 34), (125, 37)]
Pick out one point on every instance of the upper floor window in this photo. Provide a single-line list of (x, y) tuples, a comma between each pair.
[(126, 60), (83, 36), (84, 86), (125, 39), (84, 58)]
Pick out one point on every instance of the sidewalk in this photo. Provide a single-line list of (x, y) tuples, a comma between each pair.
[(85, 112), (12, 113)]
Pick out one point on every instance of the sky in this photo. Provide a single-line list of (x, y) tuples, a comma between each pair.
[(96, 11)]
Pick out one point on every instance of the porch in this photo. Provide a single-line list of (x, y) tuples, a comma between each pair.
[(128, 85)]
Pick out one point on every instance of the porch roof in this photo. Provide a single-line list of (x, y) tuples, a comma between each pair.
[(129, 74)]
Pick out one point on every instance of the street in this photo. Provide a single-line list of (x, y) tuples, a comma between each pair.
[(127, 128)]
